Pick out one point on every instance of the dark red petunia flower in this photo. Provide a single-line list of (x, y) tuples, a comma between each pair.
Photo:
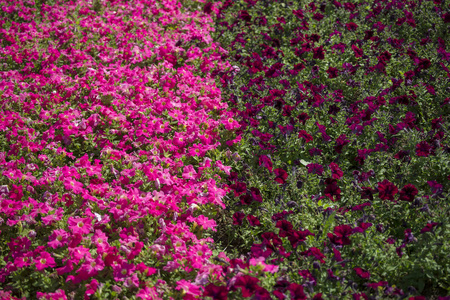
[(429, 227), (423, 149), (239, 188), (361, 273), (341, 235), (253, 221), (446, 17), (424, 63), (387, 190), (238, 217), (244, 15), (333, 72), (315, 169), (313, 251), (281, 175), (216, 292), (303, 117), (351, 26), (207, 9), (256, 194), (297, 292), (358, 52), (285, 228), (332, 191), (402, 155), (305, 135), (336, 172), (318, 16), (296, 237), (318, 53), (246, 199), (265, 160), (367, 193), (248, 285), (341, 141), (408, 192)]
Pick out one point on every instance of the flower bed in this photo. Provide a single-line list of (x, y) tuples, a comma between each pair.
[(341, 181), (108, 109)]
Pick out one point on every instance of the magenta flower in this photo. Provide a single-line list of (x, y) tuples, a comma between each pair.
[(58, 238), (80, 225), (44, 260)]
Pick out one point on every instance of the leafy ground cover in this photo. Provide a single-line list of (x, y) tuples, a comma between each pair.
[(246, 149), (340, 183)]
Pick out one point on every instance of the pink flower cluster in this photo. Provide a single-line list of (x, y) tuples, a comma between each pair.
[(109, 109)]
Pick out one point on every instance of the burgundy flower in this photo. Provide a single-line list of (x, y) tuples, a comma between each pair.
[(402, 155), (285, 228), (336, 172), (367, 193), (315, 169), (305, 135), (264, 159), (239, 188), (446, 17), (256, 194), (297, 292), (271, 240), (253, 221), (429, 227), (318, 16), (207, 9), (244, 15), (341, 234), (318, 53), (332, 191), (408, 192), (313, 251), (216, 292), (358, 52), (424, 63), (303, 117), (296, 237), (423, 149), (333, 72), (248, 285), (351, 26), (361, 273), (238, 217), (315, 152), (341, 141), (387, 190), (281, 175), (246, 199)]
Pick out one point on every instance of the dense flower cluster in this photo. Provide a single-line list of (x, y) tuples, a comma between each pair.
[(125, 175), (108, 112), (343, 107)]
